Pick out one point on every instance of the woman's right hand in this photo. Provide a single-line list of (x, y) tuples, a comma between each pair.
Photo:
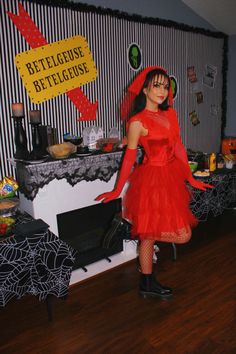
[(127, 163), (199, 184), (108, 196)]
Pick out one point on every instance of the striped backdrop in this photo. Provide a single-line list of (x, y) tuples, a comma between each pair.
[(109, 37)]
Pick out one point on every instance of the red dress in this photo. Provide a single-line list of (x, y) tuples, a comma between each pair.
[(157, 199)]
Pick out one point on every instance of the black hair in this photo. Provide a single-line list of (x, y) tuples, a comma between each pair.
[(140, 100)]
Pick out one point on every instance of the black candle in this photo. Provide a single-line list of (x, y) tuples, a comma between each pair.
[(17, 110), (35, 116)]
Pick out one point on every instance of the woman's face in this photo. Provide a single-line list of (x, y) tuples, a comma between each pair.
[(156, 92)]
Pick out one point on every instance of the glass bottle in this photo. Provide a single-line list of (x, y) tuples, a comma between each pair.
[(206, 161), (212, 162)]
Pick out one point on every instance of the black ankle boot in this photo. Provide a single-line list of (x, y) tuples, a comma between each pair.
[(150, 287)]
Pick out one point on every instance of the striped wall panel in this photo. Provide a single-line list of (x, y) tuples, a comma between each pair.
[(108, 37)]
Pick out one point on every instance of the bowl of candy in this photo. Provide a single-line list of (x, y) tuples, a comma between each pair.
[(74, 139)]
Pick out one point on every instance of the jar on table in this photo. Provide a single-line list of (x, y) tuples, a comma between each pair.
[(220, 161), (229, 164)]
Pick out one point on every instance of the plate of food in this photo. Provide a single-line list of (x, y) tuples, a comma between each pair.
[(202, 174), (9, 206), (35, 162), (83, 153)]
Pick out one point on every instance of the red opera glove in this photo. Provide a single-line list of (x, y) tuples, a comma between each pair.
[(181, 154), (127, 164), (198, 184)]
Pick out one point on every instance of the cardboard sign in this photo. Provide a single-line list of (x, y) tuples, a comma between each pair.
[(56, 68)]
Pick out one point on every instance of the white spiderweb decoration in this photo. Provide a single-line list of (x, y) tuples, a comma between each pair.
[(214, 201), (40, 264)]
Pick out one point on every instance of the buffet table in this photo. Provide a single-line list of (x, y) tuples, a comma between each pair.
[(102, 167), (213, 202), (53, 187), (39, 264)]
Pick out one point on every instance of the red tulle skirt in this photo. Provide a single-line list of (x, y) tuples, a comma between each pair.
[(157, 203)]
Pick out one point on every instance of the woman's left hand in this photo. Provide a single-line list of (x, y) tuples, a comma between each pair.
[(199, 184)]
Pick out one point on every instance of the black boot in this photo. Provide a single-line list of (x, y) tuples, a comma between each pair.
[(150, 287)]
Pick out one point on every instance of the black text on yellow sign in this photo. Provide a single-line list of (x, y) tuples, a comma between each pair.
[(56, 68)]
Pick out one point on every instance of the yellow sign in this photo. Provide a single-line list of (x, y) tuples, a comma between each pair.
[(56, 68)]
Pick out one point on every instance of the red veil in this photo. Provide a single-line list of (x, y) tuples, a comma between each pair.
[(135, 88)]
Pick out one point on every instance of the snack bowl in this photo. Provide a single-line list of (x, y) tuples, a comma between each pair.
[(76, 140), (6, 224), (8, 206), (193, 166), (62, 151)]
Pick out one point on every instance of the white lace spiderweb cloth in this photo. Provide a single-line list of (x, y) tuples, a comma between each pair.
[(215, 201), (40, 264)]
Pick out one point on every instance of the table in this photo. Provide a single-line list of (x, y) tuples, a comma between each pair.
[(32, 177), (39, 264), (103, 166), (213, 202), (210, 202)]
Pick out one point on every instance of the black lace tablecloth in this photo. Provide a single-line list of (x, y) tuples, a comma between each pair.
[(213, 202), (39, 264), (103, 166), (31, 177)]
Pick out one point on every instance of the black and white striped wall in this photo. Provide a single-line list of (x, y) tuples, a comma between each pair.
[(109, 36)]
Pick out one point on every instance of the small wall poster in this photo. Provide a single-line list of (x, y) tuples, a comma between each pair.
[(214, 110), (210, 75), (134, 56), (191, 74), (199, 96), (194, 118)]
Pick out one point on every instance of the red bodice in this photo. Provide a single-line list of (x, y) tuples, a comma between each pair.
[(163, 133)]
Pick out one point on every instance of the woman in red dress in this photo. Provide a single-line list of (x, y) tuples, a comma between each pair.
[(157, 199)]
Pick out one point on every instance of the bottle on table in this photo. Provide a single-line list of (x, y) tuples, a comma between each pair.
[(206, 161), (212, 162)]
